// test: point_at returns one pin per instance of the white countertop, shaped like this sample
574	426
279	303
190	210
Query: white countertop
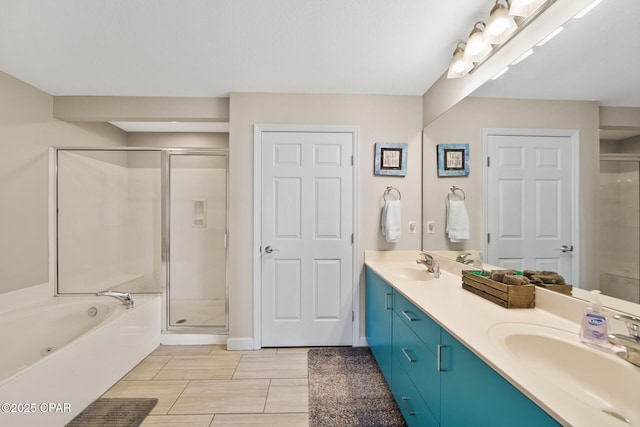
469	318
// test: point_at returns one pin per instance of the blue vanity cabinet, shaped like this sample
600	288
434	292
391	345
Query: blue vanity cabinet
473	394
378	322
434	378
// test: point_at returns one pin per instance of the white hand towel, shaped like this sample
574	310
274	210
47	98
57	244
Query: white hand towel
391	220
457	221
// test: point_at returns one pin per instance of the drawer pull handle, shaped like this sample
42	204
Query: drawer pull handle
386	301
405	351
405	402
440	368
409	315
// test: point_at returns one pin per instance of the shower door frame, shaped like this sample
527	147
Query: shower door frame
165	200
165	191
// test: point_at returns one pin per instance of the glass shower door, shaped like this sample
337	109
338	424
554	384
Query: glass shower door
197	228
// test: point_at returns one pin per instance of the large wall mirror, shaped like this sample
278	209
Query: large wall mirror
582	86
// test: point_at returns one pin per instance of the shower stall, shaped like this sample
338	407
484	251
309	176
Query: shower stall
145	220
620	226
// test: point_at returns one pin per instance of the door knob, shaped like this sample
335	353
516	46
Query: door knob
565	248
269	249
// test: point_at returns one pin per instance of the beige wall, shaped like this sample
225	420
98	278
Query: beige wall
464	124
178	140
27	129
380	118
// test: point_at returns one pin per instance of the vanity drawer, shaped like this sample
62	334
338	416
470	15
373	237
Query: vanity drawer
425	328
414	409
419	363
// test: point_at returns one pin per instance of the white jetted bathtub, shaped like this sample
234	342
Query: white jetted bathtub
58	357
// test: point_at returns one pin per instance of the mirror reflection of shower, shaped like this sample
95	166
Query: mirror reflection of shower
145	220
620	226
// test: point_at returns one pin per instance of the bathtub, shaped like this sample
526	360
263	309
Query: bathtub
59	356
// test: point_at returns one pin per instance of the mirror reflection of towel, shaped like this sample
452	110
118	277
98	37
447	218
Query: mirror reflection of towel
457	221
391	220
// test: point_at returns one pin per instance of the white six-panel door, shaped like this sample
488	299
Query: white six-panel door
306	242
529	203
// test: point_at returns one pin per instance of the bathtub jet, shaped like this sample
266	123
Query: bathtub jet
124	297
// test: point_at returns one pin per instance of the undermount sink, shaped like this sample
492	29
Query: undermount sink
406	271
598	378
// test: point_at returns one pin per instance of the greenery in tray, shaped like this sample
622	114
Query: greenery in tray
482	273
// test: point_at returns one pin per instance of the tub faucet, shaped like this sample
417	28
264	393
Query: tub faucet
430	262
629	344
124	297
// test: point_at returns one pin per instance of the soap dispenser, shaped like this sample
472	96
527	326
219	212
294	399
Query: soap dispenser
595	327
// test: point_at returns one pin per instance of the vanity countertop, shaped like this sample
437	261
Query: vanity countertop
470	318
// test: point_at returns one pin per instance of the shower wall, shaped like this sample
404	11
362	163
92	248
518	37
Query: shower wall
108	221
195	274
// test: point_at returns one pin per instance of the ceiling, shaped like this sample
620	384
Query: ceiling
209	48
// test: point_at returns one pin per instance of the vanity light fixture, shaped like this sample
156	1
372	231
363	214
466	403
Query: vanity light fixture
525	8
477	49
500	24
458	67
506	20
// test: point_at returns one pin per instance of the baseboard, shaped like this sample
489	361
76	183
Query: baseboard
363	342
240	344
192	339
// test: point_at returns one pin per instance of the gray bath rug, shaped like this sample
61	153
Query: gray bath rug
114	412
346	388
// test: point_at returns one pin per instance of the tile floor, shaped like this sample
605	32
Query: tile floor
206	385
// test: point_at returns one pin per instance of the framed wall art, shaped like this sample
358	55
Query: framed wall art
390	159
453	159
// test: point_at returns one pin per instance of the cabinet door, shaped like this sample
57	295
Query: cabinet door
473	394
379	313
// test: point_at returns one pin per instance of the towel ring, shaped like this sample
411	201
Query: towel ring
388	190
453	189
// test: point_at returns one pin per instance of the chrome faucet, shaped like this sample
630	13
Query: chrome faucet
629	344
124	297
430	262
462	258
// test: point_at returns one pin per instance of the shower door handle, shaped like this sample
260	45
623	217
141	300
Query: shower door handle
565	248
269	249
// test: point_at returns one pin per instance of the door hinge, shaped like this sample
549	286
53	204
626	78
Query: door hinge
352	238
488	238
351	160
488	161
226	237
353	316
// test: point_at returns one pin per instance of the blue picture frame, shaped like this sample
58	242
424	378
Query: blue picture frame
453	159
390	159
